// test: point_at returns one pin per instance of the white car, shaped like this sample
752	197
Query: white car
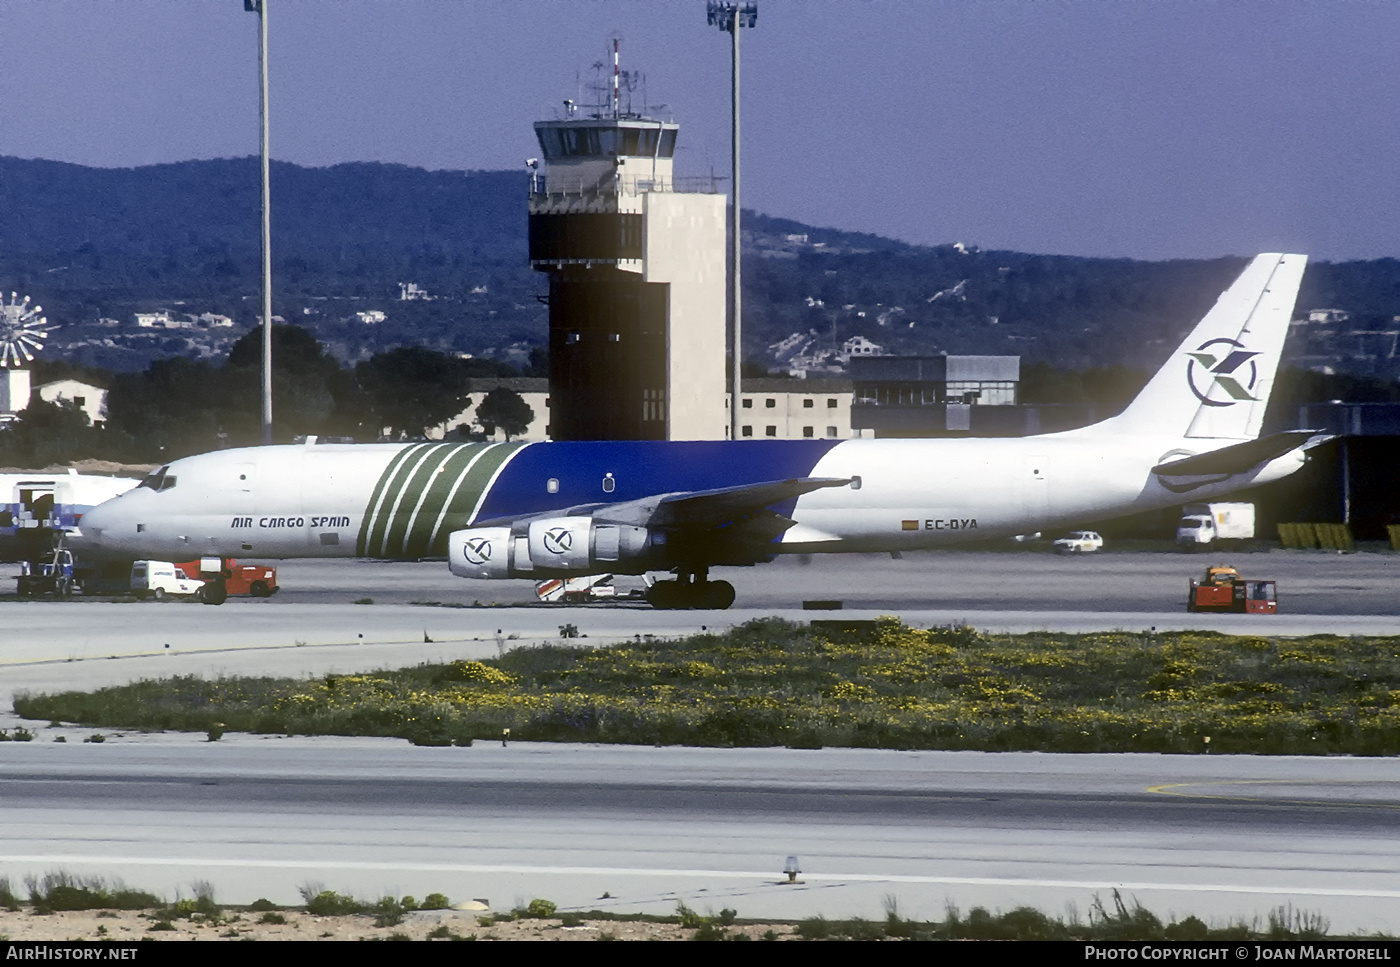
1079	542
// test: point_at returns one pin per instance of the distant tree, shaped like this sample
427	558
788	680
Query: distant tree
171	410
48	433
411	388
302	378
504	409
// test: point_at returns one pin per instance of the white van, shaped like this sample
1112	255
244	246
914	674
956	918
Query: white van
161	579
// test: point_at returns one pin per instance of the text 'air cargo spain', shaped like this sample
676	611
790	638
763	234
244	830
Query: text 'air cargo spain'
538	510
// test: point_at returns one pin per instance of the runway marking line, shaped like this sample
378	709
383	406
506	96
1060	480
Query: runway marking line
763	876
1169	789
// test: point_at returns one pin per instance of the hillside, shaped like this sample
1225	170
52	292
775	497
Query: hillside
95	246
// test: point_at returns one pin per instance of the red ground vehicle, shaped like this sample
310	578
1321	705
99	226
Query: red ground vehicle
258	580
1223	590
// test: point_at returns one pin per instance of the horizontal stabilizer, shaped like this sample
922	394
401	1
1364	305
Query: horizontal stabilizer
1238	458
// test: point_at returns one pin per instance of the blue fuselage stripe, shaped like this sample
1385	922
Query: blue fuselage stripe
640	469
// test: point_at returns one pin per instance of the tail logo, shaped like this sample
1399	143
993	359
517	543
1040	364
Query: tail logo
1223	362
477	551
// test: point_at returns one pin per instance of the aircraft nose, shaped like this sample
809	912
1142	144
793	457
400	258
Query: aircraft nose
95	529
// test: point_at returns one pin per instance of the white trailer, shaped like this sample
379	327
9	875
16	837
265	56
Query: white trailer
1202	525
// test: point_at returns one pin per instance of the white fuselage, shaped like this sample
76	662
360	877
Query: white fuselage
324	500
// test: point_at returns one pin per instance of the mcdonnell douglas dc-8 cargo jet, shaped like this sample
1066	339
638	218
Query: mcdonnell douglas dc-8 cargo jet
537	510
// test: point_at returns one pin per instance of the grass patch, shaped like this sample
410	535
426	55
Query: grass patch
770	683
64	891
1117	919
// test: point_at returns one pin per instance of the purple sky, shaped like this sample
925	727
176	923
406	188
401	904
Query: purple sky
1180	128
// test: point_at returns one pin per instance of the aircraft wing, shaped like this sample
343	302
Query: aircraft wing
731	504
722	507
1240	457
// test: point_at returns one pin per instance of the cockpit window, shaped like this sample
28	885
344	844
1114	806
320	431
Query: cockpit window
157	480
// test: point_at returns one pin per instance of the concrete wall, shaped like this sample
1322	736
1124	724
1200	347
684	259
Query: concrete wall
14	390
795	409
685	248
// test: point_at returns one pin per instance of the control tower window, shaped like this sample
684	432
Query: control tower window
606	142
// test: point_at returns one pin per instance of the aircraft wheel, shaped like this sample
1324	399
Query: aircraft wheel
158	594
717	595
664	596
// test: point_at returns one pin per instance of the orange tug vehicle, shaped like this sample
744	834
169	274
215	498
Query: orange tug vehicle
256	580
1223	589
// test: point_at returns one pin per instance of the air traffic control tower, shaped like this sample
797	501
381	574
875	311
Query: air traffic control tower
636	269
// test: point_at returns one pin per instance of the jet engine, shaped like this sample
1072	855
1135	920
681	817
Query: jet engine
552	546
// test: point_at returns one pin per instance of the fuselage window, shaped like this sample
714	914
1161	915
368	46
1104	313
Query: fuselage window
552	485
609	484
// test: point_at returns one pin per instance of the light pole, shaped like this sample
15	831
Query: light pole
729	17
260	8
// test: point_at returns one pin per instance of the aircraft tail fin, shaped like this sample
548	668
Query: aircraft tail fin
1216	385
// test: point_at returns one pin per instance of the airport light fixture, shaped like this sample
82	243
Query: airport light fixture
730	17
260	8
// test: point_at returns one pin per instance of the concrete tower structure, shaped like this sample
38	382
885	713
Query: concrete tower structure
636	269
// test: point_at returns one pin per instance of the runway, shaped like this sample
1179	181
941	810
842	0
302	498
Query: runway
1219	836
641	829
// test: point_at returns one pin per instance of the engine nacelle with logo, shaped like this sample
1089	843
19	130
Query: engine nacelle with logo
552	546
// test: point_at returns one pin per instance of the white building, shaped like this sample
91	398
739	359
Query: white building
161	320
796	409
772	409
860	346
91	399
16	392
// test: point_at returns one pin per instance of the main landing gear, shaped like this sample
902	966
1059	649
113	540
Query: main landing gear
691	590
215	590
